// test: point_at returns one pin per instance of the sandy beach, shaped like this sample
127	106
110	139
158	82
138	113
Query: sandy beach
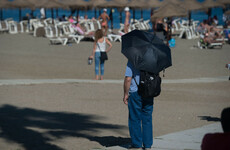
83	116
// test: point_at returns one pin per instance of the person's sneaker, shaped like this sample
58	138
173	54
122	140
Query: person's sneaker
147	148
135	149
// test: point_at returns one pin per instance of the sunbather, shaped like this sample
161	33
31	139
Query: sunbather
80	30
212	36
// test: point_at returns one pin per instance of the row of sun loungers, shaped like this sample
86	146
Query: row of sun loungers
64	32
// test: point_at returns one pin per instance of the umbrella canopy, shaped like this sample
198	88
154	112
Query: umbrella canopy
97	3
190	5
116	4
4	4
138	4
169	10
154	3
224	1
146	51
21	4
211	4
75	4
48	4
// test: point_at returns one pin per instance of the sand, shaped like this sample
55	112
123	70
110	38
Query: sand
80	116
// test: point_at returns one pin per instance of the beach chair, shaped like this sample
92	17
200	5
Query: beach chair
114	37
24	26
48	21
53	34
203	45
4	26
13	28
97	24
70	32
36	26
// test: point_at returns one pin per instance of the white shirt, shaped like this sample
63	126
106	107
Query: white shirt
101	46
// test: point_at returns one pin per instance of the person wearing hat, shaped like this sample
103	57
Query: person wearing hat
104	23
127	17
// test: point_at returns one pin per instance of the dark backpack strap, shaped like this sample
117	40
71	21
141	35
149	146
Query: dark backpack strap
134	80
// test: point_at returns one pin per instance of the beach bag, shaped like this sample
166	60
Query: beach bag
149	85
104	56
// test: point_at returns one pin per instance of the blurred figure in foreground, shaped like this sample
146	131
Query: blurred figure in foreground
219	141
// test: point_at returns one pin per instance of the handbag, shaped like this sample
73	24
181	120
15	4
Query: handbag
104	55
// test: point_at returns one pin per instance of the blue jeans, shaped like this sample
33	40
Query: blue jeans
140	120
99	63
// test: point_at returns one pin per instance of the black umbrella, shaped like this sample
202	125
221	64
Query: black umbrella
146	51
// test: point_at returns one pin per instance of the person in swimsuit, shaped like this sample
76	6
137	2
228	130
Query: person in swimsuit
104	23
127	17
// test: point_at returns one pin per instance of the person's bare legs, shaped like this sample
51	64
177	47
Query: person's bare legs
106	29
101	78
126	28
96	77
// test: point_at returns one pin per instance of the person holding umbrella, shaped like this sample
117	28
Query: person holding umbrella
145	52
140	111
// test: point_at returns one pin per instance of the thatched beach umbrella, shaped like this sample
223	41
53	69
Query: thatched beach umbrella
211	4
74	4
190	5
154	3
97	3
116	4
226	2
169	10
20	4
48	4
4	3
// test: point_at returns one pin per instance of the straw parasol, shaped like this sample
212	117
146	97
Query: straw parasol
20	4
97	3
116	4
190	5
154	3
47	4
169	10
138	4
75	4
4	4
211	4
224	1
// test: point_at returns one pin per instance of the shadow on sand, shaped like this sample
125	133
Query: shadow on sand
36	129
209	118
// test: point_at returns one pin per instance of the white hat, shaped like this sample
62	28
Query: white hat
104	9
126	9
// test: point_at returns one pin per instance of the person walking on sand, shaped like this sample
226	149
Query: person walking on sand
104	23
127	18
100	46
140	111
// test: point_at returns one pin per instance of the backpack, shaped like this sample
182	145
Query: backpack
150	84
